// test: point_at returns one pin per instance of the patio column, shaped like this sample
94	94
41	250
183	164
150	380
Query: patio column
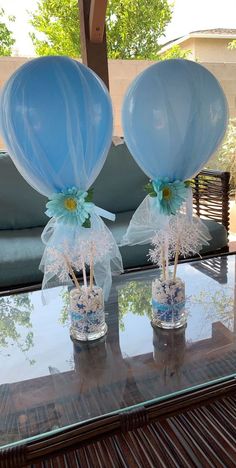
93	36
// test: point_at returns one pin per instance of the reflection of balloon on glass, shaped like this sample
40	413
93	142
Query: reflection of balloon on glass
174	117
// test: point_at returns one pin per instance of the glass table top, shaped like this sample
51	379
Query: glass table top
47	382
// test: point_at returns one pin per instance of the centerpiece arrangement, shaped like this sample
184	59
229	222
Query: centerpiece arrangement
86	298
174	117
182	238
56	120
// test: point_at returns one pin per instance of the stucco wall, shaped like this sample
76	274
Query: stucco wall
122	72
189	44
214	50
8	65
226	73
209	50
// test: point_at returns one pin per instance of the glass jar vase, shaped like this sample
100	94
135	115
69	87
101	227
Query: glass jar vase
87	314
168	303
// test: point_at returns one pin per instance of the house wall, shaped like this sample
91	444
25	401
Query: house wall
122	72
209	50
8	65
225	73
189	44
214	50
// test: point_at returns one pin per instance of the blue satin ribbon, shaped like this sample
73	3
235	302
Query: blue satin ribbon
166	307
90	316
104	213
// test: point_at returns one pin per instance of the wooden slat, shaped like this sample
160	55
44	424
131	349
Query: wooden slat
211	196
204	436
93	55
97	20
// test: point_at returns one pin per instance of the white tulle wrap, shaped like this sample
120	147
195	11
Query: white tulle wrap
73	241
147	221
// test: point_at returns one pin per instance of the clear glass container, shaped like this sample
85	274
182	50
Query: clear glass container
87	314
168	303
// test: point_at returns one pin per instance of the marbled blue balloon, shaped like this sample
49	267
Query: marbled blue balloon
174	116
56	120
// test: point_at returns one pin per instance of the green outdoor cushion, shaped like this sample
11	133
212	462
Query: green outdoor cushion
20	254
118	188
20	205
135	256
22	249
120	184
218	236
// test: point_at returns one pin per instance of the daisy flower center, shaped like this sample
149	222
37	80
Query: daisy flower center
167	193
70	204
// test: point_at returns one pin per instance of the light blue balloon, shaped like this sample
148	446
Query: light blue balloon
174	117
56	120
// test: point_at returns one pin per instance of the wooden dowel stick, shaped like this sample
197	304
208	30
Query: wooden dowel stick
176	263
84	274
91	267
70	269
163	262
166	258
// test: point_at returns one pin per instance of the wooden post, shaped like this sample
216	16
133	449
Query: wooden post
94	55
235	295
97	18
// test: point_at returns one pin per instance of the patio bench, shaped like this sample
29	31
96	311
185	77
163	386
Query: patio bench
119	189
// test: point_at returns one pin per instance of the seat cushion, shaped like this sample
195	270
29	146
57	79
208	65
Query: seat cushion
218	236
20	254
120	185
21	250
134	256
20	205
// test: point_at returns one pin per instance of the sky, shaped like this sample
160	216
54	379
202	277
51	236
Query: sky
189	15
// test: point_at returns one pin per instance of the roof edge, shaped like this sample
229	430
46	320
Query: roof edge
195	35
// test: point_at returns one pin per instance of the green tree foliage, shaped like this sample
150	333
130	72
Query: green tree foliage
15	323
57	22
64	317
232	44
218	306
6	36
175	52
133	28
135	297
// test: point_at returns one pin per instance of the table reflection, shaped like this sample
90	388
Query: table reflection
133	363
169	348
16	328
